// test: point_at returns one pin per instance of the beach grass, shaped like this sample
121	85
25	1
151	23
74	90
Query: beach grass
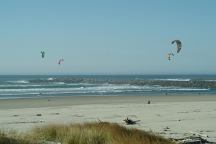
87	133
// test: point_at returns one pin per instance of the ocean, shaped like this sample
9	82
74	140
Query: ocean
37	86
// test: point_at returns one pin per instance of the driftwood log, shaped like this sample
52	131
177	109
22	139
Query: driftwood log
193	140
130	121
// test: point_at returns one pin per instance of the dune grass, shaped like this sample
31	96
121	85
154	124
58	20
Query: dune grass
88	133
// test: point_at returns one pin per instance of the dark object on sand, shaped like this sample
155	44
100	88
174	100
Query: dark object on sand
38	114
193	140
167	129
130	121
149	102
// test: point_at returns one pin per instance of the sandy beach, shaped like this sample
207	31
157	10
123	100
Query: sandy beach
170	116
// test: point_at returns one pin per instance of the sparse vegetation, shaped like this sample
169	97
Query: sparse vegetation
88	133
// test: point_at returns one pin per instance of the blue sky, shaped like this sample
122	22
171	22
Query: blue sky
107	37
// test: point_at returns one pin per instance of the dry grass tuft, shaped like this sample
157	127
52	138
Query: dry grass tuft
13	138
87	133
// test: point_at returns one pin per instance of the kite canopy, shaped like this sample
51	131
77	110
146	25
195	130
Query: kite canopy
42	54
178	45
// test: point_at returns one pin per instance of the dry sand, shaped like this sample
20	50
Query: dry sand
170	116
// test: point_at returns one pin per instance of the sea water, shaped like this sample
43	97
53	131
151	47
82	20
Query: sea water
36	86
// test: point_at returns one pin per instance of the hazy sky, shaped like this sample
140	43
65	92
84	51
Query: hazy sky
107	37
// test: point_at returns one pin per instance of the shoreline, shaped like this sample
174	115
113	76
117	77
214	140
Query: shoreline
169	116
86	100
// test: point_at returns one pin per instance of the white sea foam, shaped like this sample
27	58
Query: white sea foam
185	89
103	88
210	80
177	79
19	85
50	79
19	81
59	83
13	94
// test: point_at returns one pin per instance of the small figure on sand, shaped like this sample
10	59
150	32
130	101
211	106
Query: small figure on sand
149	102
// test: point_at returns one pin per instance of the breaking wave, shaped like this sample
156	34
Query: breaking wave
34	86
19	81
179	79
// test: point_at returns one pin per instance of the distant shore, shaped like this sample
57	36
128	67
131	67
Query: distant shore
168	115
